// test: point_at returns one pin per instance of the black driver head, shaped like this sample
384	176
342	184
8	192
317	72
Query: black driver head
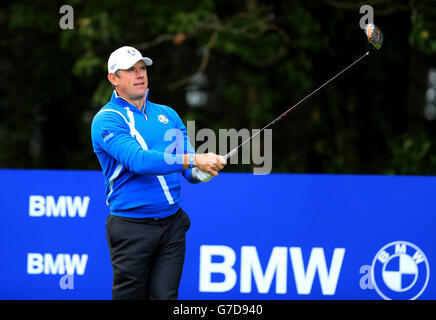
374	35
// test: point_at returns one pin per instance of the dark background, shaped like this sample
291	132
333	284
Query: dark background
249	60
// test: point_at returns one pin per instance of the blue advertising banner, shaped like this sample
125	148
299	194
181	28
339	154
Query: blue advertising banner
278	236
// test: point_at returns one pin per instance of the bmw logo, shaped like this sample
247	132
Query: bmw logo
400	271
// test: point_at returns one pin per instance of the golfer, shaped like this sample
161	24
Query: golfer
142	147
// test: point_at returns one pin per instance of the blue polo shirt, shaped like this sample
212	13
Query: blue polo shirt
141	155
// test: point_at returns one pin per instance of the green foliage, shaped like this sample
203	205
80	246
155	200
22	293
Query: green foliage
423	34
412	155
258	59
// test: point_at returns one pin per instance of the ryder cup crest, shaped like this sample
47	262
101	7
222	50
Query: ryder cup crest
131	51
163	119
400	271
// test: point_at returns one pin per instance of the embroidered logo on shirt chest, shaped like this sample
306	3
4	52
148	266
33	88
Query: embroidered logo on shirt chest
163	119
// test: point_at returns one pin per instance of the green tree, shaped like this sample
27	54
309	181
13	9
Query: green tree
251	60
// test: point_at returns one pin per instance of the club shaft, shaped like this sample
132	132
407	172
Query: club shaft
232	152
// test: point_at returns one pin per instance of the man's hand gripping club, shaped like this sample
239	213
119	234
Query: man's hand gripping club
207	166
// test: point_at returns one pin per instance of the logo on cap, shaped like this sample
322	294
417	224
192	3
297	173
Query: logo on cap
131	52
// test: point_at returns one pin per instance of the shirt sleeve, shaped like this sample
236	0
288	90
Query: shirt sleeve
187	147
111	134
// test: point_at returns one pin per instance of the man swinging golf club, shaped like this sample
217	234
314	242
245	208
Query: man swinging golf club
146	225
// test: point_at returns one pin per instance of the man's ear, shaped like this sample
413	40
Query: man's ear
113	79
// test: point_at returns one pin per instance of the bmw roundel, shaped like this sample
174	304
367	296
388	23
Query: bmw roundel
400	271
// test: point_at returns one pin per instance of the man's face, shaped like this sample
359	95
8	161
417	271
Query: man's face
131	83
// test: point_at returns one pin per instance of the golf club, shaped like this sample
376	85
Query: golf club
374	37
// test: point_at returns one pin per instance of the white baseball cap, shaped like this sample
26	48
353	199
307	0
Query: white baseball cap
125	57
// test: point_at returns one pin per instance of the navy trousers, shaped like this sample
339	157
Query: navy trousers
147	256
